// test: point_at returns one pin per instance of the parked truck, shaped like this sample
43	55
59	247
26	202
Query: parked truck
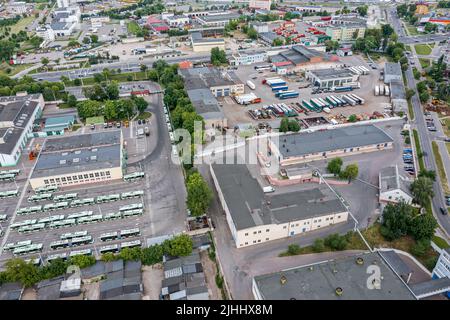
268	189
251	85
386	91
377	90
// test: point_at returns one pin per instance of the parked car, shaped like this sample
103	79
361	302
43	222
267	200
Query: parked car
92	126
443	211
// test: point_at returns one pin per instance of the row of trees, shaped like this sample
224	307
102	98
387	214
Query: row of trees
17	270
407	12
422	88
50	90
335	167
218	57
287	125
199	195
110	109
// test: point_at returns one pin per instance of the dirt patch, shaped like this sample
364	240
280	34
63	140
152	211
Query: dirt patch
209	269
151	278
92	291
29	294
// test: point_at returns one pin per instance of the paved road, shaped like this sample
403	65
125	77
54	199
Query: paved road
419	123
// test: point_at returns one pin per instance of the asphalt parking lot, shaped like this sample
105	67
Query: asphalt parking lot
238	114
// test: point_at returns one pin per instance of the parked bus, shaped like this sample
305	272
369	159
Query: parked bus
131	207
9	194
79	215
71	235
46	189
59	244
32	248
56	256
130	244
127	233
35	261
112	216
83	252
263	67
32	228
17	225
110	248
110	198
3	217
134	212
51	219
15	172
7	177
29	210
82	202
133	194
133	176
62	223
81	241
65	197
90	219
12	245
109	236
40	197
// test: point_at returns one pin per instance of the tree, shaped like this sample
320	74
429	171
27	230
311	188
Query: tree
130	254
199	194
19	270
396	220
73	43
334	166
318	245
71	101
45	61
252	34
336	242
293	249
77	82
424	96
284	125
350	172
53	269
423	226
409	93
152	254
89	108
144	68
86	40
352	118
218	57
110	110
421	247
82	261
387	30
108	257
180	245
362	10
422	190
331	45
94	38
294	126
277	42
140	103
428	173
112	90
430	27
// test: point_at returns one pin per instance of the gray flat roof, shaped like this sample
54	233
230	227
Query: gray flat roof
397	89
396	263
220	17
298	144
390	180
249	206
429	287
332	73
391	68
79	153
319	281
205	103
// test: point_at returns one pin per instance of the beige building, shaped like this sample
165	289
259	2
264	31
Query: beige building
79	159
319	145
345	32
256	217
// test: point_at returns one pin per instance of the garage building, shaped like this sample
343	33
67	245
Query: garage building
328	78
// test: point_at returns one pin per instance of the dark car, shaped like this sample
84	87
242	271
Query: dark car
443	211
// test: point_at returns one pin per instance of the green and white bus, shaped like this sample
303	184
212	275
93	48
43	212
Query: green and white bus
127	233
40	197
56	206
109	198
32	248
3	217
7	177
15	172
65	197
79	215
71	235
82	202
130	244
29	210
110	248
35	261
32	228
81	241
91	219
12	245
62	223
134	212
109	236
55	256
59	244
112	216
51	219
132	206
133	176
17	225
9	194
46	189
132	194
83	252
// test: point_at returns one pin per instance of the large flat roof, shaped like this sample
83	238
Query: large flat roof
79	153
331	73
390	180
205	103
299	144
319	281
391	68
249	206
219	17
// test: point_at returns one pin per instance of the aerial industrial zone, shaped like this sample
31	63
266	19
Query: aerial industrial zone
224	150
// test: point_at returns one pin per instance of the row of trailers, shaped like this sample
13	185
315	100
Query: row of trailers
87	201
280	89
360	70
330	102
73	219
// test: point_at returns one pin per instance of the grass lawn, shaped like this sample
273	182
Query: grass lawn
412	30
418	150
446	126
144	116
95	120
423	49
425	63
21	24
441	243
120	77
75	127
410	110
448	147
14	68
133	27
407	47
440	166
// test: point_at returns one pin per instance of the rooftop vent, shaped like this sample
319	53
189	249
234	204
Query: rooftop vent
77	151
283	279
62	161
360	261
339	291
64	153
76	160
94	158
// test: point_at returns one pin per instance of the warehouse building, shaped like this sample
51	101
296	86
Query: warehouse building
218	20
248	58
347	32
339	142
256	217
328	78
339	279
201	44
79	159
393	187
301	58
17	116
398	96
392	71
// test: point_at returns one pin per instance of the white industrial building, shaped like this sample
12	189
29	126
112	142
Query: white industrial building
328	78
393	187
176	21
79	159
248	58
17	116
260	4
256	217
392	71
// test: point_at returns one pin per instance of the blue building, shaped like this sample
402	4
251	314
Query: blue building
442	268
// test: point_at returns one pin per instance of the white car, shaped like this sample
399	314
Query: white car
171	136
174	150
167	119
169	127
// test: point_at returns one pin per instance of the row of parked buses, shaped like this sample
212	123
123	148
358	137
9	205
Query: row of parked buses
87	201
133	176
9	194
9	175
84	217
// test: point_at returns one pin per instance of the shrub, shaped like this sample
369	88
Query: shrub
319	245
293	249
421	247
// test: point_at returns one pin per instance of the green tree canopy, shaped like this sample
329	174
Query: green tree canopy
334	166
199	194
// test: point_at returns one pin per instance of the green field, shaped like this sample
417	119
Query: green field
133	27
423	49
418	150
440	166
14	68
95	120
120	77
412	30
425	63
24	22
441	243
